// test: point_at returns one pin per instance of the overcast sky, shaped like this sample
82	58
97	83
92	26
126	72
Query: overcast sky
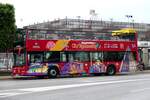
36	11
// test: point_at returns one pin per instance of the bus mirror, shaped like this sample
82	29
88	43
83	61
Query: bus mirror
19	51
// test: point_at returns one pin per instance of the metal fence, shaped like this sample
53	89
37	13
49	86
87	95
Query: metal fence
6	61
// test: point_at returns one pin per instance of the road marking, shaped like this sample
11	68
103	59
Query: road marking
8	94
14	92
40	89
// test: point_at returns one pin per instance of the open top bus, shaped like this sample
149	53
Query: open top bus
59	52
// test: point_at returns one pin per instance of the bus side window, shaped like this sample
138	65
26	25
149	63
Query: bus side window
48	56
71	58
53	56
97	56
36	58
63	57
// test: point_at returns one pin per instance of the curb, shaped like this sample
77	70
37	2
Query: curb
5	77
140	72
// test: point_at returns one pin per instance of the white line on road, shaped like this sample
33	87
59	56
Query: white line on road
7	93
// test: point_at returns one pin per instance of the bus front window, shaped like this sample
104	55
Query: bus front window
36	57
19	59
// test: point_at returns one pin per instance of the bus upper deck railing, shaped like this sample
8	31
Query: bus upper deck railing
77	36
44	34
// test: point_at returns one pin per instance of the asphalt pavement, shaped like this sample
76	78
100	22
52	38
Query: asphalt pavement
118	87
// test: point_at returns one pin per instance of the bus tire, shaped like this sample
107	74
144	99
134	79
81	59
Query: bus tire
53	72
111	70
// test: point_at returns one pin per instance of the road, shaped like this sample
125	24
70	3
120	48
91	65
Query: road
119	87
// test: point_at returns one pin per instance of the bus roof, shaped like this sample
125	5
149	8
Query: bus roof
124	31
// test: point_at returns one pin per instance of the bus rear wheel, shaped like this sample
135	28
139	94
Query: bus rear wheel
53	72
111	70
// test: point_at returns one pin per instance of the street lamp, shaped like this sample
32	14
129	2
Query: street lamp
93	16
66	22
129	16
133	23
111	21
79	20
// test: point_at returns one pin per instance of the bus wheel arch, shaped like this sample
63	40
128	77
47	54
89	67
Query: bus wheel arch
111	69
53	71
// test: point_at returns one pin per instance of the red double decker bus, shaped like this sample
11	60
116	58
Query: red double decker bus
59	52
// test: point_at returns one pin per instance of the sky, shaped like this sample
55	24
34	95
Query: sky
28	12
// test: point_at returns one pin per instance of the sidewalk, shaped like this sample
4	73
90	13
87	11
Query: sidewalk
130	73
18	77
140	72
5	77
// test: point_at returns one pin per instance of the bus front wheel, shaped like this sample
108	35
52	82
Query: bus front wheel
53	72
111	70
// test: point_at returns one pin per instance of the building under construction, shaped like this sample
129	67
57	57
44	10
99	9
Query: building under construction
93	25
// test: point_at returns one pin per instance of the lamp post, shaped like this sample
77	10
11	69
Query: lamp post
111	22
66	22
79	21
133	23
128	17
93	16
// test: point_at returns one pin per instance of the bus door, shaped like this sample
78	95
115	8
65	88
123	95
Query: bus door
96	60
35	62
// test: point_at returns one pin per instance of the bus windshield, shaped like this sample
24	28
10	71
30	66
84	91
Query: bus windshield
19	59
